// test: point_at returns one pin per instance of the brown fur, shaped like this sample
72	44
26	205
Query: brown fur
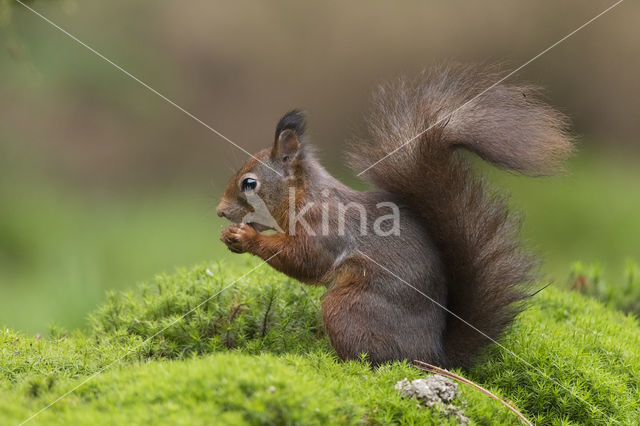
458	242
487	271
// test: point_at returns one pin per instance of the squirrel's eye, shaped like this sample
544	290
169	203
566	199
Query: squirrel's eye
249	184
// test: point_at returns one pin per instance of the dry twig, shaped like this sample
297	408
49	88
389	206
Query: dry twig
437	370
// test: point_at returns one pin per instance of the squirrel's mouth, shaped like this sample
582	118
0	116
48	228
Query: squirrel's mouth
260	227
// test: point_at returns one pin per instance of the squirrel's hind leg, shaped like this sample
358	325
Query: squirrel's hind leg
361	316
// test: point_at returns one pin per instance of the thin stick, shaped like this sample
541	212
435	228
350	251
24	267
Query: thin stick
437	370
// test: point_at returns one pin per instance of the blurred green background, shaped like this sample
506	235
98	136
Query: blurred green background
103	184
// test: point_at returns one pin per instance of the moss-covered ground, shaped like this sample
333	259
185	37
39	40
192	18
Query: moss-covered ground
253	350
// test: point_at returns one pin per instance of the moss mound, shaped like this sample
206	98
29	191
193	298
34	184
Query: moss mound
252	350
252	310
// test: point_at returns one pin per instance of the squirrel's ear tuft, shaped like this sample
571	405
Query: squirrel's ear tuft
289	133
295	120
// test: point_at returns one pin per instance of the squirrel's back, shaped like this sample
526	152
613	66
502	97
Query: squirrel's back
421	123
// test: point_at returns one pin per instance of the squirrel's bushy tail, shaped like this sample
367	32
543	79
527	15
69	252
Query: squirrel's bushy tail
509	126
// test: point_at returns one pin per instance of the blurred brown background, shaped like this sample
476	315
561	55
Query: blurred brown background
238	66
86	150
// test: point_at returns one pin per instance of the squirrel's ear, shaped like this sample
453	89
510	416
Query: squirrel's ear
286	146
289	133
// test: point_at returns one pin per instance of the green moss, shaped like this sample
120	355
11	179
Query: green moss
254	311
232	388
252	351
577	360
589	280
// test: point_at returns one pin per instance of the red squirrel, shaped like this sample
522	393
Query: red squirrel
455	244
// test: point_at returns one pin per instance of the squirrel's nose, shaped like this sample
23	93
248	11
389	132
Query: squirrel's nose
220	209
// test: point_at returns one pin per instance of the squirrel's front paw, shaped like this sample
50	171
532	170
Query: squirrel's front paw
238	238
